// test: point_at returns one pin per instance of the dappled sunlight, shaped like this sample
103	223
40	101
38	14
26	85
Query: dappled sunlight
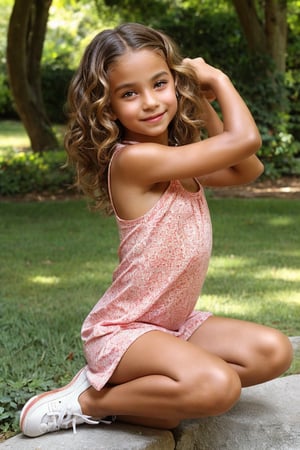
98	277
13	136
293	299
280	221
45	280
227	262
286	297
224	305
259	308
285	274
76	279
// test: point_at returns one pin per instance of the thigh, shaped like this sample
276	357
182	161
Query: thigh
159	353
257	352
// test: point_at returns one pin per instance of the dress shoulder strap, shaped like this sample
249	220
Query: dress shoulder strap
118	148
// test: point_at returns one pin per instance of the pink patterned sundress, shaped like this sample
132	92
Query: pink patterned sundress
163	261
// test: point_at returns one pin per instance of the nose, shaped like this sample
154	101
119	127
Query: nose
149	100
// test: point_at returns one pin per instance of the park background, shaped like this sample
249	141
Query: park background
57	257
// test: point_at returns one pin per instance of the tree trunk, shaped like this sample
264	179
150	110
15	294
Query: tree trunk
268	35
26	34
276	31
251	25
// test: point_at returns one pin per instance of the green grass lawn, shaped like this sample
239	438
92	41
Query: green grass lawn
57	259
255	269
13	135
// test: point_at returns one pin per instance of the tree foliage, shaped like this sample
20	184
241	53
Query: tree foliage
213	29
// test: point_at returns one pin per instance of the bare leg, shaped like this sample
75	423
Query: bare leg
161	380
256	352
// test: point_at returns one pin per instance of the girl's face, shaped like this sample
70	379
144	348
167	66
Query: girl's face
143	96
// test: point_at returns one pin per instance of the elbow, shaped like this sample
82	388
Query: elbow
255	170
253	142
256	143
259	170
246	144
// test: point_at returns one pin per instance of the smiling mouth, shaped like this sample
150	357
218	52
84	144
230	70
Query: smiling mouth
155	118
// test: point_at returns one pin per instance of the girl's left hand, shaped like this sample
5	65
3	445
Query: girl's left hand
209	94
201	68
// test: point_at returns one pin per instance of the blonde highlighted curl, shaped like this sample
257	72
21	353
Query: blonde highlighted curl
92	134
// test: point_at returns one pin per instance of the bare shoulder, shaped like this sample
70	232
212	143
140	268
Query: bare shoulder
132	192
137	152
136	160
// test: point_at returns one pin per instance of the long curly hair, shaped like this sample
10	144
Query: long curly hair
91	134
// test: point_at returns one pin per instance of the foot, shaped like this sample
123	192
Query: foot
57	409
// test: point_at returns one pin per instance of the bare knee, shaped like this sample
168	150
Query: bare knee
212	394
223	391
278	352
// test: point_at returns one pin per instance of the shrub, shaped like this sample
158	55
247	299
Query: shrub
267	99
25	172
14	395
6	101
55	82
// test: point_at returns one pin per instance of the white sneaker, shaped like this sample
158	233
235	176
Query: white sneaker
57	409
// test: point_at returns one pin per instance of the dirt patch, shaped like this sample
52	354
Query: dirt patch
288	187
42	197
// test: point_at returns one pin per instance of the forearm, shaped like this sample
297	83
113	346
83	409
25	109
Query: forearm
248	170
241	173
212	122
239	137
238	122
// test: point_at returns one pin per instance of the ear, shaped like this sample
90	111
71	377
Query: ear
108	113
111	115
176	90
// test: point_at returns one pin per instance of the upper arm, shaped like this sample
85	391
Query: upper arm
153	163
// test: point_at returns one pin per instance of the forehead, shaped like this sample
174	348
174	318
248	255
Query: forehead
137	64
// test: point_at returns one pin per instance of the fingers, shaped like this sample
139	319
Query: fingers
209	94
205	73
192	60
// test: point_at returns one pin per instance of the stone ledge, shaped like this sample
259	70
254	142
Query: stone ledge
100	437
267	417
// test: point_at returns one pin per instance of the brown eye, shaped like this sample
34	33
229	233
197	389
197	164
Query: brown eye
160	84
128	94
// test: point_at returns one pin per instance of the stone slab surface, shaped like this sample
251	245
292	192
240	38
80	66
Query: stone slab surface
100	437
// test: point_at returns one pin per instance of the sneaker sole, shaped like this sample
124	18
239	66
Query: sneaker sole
38	397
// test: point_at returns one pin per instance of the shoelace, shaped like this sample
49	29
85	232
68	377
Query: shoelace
66	419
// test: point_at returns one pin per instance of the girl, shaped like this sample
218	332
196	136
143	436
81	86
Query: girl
136	109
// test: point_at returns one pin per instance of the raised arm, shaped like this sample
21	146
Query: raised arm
235	141
243	172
